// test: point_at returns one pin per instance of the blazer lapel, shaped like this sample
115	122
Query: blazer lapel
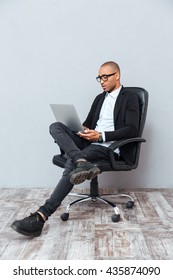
118	103
97	112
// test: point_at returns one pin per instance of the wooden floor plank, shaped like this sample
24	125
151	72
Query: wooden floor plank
144	232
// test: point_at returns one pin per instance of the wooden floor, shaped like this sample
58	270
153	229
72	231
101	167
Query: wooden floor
144	232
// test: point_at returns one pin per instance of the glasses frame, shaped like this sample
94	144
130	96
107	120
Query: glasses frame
104	77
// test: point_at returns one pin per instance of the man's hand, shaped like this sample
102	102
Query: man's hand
89	134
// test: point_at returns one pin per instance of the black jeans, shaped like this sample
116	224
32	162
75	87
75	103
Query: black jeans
76	148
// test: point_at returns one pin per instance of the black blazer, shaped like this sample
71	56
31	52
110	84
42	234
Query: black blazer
126	120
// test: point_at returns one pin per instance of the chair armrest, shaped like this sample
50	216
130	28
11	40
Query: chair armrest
119	143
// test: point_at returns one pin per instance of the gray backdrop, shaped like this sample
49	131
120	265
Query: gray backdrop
50	52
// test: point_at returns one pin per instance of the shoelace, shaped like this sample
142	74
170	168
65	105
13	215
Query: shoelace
31	215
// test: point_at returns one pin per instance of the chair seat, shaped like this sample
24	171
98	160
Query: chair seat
60	161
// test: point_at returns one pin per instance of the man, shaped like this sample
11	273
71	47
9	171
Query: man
114	115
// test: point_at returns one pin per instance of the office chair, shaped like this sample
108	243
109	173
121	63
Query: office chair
113	165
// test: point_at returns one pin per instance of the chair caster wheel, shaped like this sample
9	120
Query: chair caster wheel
115	218
130	204
64	217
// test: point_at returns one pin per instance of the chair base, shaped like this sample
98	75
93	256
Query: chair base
94	196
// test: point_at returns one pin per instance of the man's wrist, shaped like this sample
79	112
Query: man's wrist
100	139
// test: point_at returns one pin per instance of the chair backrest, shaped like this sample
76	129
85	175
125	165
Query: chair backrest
143	105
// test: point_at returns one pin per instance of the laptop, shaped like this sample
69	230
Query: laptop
67	114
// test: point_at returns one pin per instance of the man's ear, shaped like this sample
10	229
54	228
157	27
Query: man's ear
117	76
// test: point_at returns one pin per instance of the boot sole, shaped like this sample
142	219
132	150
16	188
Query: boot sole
14	227
80	177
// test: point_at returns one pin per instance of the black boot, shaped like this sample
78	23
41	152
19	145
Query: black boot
29	226
84	171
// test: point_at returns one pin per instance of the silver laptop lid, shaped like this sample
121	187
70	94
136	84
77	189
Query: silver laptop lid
67	114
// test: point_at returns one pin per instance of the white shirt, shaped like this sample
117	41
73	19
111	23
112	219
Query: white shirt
106	117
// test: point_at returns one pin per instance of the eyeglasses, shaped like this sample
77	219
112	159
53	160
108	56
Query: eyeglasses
104	77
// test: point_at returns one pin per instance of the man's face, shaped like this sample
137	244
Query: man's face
109	83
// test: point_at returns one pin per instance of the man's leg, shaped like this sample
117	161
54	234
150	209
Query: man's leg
68	141
33	225
73	145
60	192
92	153
96	153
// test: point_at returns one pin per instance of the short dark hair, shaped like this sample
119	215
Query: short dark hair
112	64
